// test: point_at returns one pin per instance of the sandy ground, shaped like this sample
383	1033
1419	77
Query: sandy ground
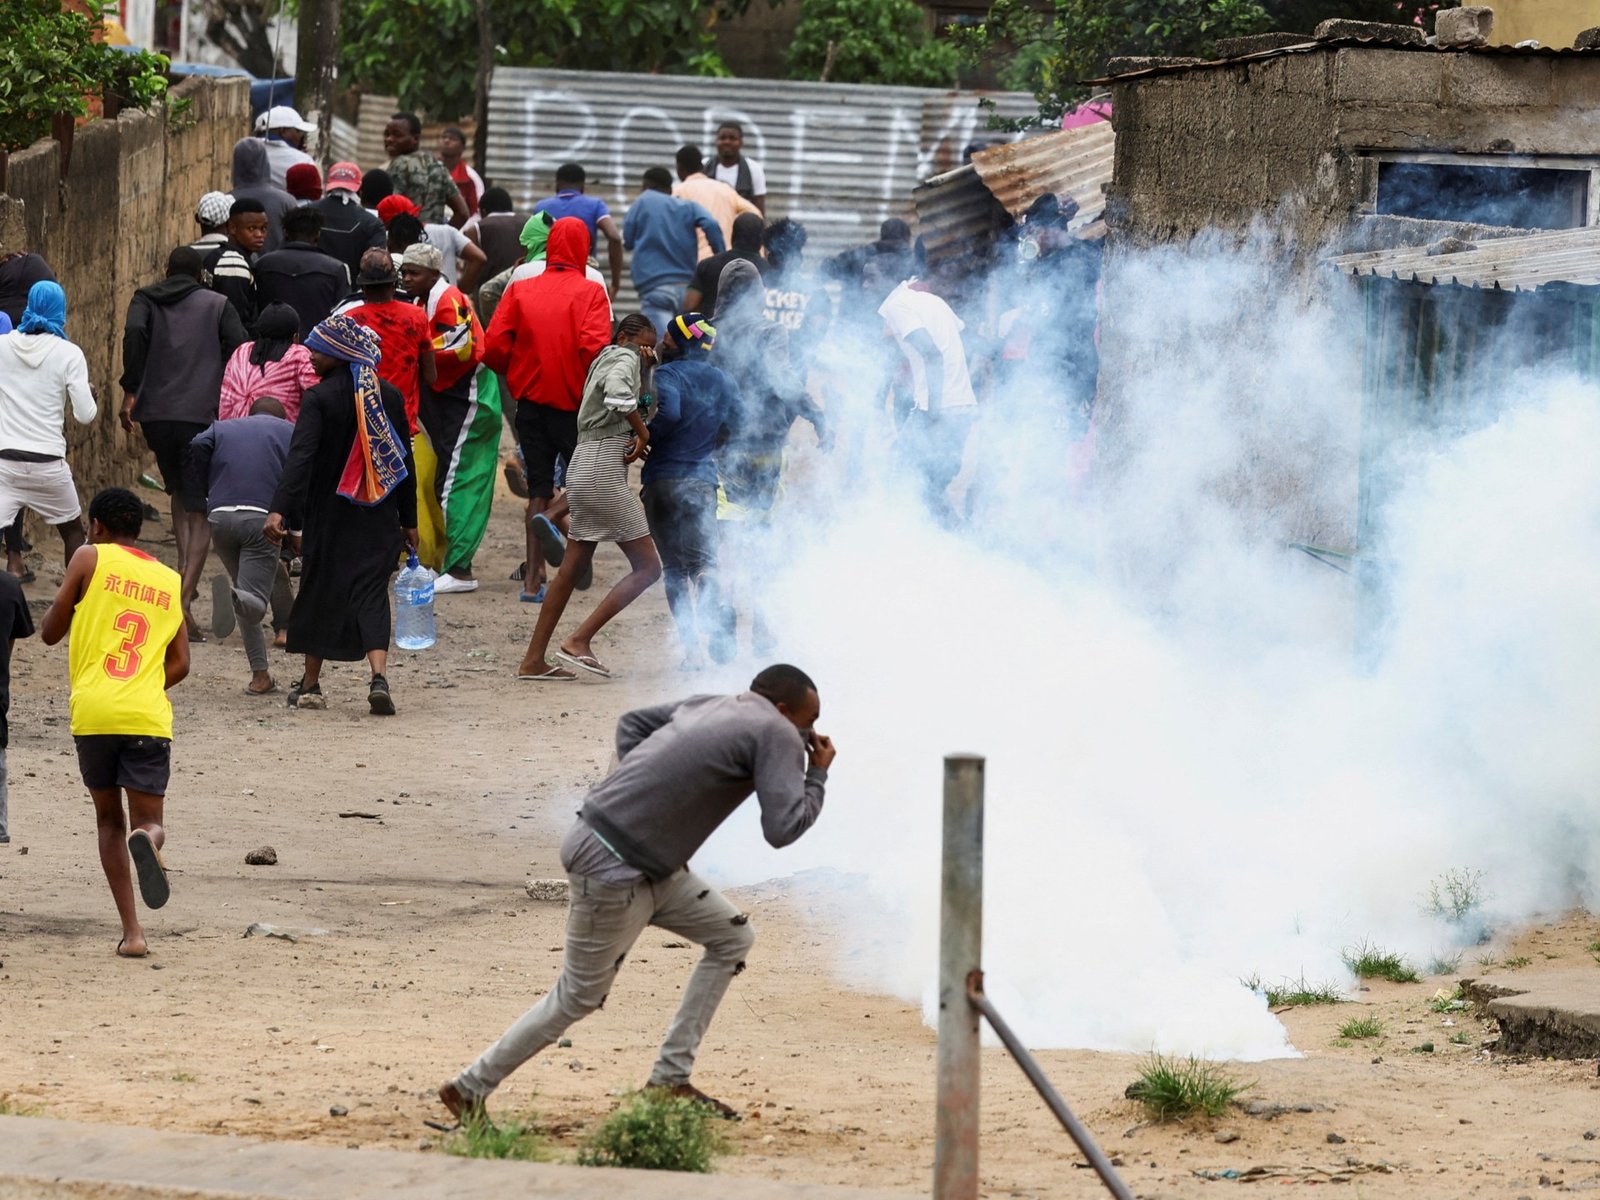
431	946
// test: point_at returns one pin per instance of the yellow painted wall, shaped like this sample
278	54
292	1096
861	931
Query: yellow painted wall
1550	22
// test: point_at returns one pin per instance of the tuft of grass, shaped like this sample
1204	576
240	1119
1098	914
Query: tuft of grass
1361	1027
1367	961
1294	993
182	1077
1488	960
516	1140
1460	1039
1172	1089
1519	961
10	1107
1447	1001
655	1131
1444	964
1594	950
1454	895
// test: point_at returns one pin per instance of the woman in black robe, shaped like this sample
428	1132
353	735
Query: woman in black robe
356	508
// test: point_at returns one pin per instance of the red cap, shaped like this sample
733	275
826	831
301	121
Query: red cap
344	175
391	207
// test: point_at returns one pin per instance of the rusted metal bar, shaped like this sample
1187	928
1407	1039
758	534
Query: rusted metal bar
955	1160
1085	1140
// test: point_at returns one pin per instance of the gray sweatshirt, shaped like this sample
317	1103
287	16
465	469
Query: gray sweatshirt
684	767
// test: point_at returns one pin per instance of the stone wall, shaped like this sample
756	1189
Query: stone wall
106	228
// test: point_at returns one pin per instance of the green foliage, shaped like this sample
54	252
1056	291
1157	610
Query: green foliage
1518	962
17	1108
1447	1002
1294	993
1455	895
51	65
1361	1027
426	51
1172	1089
1444	964
1373	962
874	41
515	1140
655	1131
1050	49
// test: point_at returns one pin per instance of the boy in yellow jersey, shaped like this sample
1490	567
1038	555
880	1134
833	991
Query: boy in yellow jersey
124	611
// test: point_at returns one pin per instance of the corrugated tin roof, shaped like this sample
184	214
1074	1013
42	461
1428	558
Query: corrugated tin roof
1312	44
1513	264
1071	162
961	211
839	157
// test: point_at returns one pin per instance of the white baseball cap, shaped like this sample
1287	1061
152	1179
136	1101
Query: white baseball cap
284	117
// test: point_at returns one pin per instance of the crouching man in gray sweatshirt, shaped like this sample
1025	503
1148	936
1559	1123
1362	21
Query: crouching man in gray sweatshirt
683	768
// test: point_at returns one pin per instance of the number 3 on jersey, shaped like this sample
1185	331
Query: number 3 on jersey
135	628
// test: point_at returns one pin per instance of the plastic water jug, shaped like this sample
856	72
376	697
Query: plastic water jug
413	606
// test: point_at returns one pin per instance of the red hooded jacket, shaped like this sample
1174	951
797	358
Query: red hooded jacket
548	329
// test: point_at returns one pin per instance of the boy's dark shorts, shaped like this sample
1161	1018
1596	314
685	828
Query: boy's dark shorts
121	760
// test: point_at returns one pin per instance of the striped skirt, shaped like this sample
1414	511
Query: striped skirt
604	507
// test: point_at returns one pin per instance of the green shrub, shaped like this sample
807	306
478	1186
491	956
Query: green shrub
1361	1027
1174	1088
1372	962
655	1131
516	1140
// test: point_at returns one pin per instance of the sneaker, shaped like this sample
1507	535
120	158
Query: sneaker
449	583
551	544
301	696
687	1091
378	698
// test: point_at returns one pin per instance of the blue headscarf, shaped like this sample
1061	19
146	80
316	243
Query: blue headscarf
46	311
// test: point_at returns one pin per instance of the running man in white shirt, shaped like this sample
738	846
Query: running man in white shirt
41	373
933	439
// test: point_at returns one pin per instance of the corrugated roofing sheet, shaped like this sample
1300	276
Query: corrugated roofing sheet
1513	264
838	157
1072	162
961	211
1312	44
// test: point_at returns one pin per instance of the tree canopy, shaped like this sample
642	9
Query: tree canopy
426	51
51	65
870	41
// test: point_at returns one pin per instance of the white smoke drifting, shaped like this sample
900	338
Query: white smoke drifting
1191	777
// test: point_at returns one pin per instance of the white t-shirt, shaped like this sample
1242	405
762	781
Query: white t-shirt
730	176
908	310
452	244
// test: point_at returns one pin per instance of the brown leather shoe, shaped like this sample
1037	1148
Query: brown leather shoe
464	1108
687	1091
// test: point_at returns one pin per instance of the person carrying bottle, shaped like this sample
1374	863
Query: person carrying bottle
349	485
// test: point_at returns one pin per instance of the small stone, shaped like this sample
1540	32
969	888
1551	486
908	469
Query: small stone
564	1044
1335	1140
1589	39
1227	1136
22	849
548	889
265	856
1339	29
1469	25
338	1110
1589	1135
575	1065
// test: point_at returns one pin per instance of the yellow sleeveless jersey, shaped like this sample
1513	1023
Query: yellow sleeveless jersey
129	613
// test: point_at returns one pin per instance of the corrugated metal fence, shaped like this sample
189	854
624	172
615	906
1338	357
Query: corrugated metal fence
839	157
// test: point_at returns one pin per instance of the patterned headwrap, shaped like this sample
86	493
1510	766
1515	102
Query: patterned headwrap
377	460
46	311
535	234
693	327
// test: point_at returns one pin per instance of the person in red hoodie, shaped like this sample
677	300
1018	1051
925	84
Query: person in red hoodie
545	332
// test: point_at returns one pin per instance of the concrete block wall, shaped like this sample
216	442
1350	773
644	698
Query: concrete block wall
106	229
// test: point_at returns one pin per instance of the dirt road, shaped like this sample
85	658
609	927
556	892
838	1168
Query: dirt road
403	846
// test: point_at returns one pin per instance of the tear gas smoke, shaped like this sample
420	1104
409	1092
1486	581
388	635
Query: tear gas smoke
1191	777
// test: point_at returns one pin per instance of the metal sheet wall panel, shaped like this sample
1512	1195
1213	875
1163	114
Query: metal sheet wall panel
1513	264
1070	162
839	157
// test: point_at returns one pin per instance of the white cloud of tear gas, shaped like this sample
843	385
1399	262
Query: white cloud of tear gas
1191	777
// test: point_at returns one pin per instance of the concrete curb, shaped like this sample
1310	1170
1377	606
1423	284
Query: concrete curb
40	1157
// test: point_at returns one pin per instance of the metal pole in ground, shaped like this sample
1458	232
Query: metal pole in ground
955	1162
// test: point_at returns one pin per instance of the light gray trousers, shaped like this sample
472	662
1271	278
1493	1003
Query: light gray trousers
5	830
602	925
254	564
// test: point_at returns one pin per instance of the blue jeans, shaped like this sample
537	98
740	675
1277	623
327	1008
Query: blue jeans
661	304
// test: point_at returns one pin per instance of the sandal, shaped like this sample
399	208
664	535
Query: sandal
271	688
585	662
549	675
145	953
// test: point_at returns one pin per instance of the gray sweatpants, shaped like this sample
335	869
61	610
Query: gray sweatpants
253	563
602	925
